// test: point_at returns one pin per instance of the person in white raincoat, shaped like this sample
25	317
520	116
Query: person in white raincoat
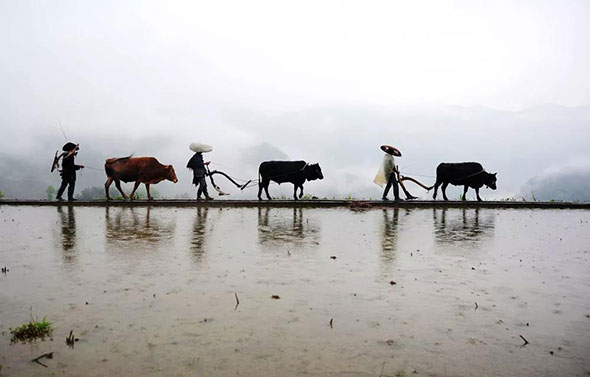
388	173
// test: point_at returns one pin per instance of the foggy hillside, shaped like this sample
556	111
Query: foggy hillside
343	138
569	184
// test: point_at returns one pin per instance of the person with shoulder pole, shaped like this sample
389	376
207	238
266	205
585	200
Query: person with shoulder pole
68	170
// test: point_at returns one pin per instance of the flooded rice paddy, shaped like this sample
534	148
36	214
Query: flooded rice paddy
408	292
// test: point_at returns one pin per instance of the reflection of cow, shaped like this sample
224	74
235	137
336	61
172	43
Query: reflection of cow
295	172
146	170
464	228
466	174
289	228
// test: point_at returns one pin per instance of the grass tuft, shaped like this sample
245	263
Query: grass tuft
33	330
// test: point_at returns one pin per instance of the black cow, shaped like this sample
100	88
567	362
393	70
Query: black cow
295	172
466	174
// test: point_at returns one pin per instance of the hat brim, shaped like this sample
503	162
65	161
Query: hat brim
69	146
391	150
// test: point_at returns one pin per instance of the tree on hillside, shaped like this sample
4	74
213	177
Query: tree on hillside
93	193
51	191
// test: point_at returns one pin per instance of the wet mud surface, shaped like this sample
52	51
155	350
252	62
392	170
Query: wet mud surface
322	292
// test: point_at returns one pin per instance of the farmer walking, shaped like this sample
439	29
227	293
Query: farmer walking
389	174
68	171
197	165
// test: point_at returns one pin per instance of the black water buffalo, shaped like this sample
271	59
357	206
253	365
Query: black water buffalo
466	174
295	172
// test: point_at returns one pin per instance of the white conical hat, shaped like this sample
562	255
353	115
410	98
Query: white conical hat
200	148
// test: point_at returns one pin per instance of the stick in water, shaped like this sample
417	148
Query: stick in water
48	355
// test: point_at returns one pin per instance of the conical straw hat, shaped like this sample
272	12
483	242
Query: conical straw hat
391	150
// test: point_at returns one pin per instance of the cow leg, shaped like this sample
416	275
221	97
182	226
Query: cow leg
295	191
443	189
266	184
147	188
107	184
301	193
137	183
118	185
259	191
465	188
477	195
436	188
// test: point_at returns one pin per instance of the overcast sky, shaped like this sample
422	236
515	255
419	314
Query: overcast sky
325	81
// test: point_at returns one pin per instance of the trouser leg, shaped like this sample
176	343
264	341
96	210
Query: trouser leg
391	181
202	188
71	187
62	188
395	187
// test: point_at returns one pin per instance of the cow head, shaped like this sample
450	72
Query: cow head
490	180
171	174
313	172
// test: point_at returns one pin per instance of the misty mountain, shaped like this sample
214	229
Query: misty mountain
343	138
572	185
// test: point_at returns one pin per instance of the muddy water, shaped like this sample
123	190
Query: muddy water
152	291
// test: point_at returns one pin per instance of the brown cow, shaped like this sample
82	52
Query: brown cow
146	170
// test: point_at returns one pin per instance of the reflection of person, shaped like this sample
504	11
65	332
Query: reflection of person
68	172
197	165
389	173
199	234
68	230
389	234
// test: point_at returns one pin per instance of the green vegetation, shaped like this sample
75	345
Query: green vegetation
32	330
51	191
1	194
141	193
93	193
98	193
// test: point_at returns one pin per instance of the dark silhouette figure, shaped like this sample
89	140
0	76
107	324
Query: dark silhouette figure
466	174
295	172
197	165
68	172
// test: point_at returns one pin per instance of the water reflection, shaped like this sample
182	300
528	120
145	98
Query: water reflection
68	233
466	225
276	225
199	239
128	224
389	235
